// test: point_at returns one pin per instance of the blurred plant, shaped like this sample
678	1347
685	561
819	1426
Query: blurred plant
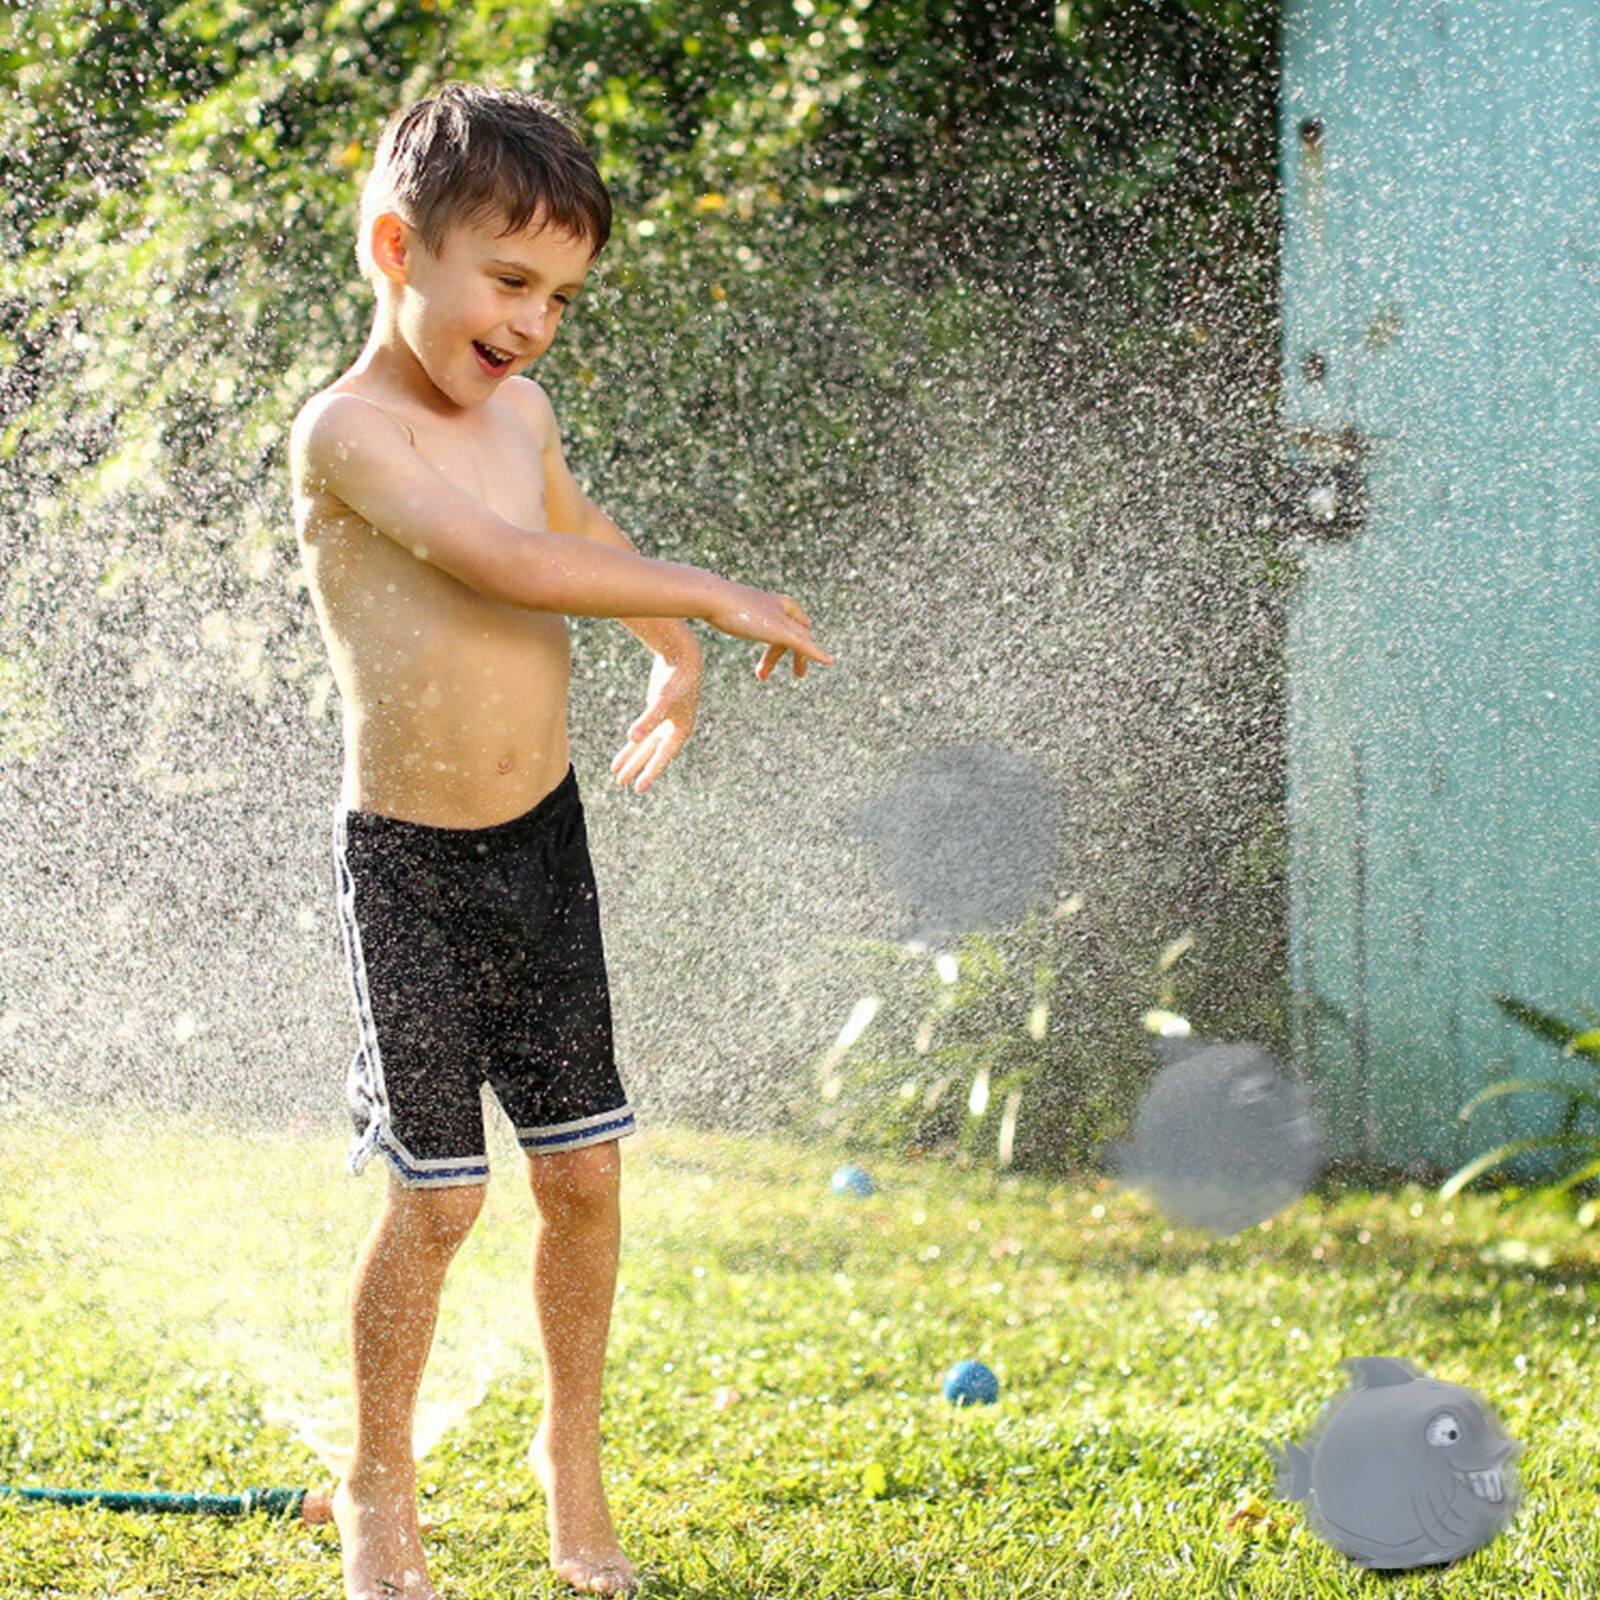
1581	1148
1015	1048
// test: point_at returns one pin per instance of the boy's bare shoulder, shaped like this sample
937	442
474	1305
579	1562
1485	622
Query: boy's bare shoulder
533	404
336	423
341	406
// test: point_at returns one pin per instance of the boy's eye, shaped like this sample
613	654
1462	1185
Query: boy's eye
562	300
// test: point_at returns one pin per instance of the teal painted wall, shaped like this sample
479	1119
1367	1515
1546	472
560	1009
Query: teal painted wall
1441	298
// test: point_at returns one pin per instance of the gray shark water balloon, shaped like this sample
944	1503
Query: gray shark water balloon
1402	1470
1223	1139
966	836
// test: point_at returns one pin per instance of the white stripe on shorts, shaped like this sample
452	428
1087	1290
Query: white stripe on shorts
366	1066
583	1130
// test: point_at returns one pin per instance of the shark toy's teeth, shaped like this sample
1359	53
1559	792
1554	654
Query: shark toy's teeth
1488	1485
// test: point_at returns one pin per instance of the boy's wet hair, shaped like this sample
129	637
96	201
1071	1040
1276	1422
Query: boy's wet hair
471	154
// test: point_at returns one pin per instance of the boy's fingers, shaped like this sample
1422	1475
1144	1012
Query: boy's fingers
659	763
802	654
645	725
628	762
654	770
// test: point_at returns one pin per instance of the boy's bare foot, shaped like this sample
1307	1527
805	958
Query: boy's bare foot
317	1509
583	1545
380	1545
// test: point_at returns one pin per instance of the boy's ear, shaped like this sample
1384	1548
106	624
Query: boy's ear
390	243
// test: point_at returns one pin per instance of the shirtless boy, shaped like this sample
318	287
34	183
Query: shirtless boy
445	541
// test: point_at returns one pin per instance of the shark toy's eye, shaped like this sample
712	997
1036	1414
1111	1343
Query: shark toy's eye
1443	1429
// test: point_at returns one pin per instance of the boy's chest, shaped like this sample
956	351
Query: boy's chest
496	460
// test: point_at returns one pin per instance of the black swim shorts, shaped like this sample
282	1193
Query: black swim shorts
474	957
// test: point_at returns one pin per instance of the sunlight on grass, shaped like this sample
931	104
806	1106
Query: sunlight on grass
243	1247
774	1419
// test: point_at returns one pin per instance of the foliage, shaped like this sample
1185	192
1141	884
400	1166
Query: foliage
187	172
1581	1148
183	174
961	1084
1022	1048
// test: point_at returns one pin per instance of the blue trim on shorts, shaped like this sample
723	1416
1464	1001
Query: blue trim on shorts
434	1173
593	1134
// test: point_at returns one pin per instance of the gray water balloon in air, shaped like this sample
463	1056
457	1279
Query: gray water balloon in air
1223	1138
1402	1470
966	836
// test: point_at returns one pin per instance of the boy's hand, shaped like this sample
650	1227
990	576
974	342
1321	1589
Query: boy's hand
667	722
774	619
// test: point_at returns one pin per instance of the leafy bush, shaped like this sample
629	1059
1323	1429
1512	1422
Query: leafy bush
1026	1047
807	190
1580	1148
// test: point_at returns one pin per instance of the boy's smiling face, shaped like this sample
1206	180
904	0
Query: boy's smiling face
487	305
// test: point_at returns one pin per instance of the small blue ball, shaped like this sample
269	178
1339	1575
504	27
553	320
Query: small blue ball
970	1383
852	1180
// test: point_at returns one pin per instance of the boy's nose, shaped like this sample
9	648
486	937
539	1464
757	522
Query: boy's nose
533	326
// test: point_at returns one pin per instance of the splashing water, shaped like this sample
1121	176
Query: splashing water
245	1245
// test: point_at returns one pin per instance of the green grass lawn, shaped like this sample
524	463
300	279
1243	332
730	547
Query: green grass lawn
174	1320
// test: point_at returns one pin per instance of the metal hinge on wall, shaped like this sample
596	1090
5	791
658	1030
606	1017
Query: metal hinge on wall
1324	483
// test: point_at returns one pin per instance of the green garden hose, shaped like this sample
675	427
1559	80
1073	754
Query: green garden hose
308	1505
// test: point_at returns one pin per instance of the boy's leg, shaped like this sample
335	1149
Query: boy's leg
393	1307
576	1242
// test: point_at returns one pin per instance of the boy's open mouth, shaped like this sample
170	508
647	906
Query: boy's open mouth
492	360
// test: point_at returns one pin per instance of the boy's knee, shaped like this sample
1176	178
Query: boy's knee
583	1180
443	1216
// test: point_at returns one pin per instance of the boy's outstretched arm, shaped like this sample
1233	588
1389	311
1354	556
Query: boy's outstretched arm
353	449
664	728
572	511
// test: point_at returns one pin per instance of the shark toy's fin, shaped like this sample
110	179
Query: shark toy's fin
1381	1372
1171	1048
1294	1471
